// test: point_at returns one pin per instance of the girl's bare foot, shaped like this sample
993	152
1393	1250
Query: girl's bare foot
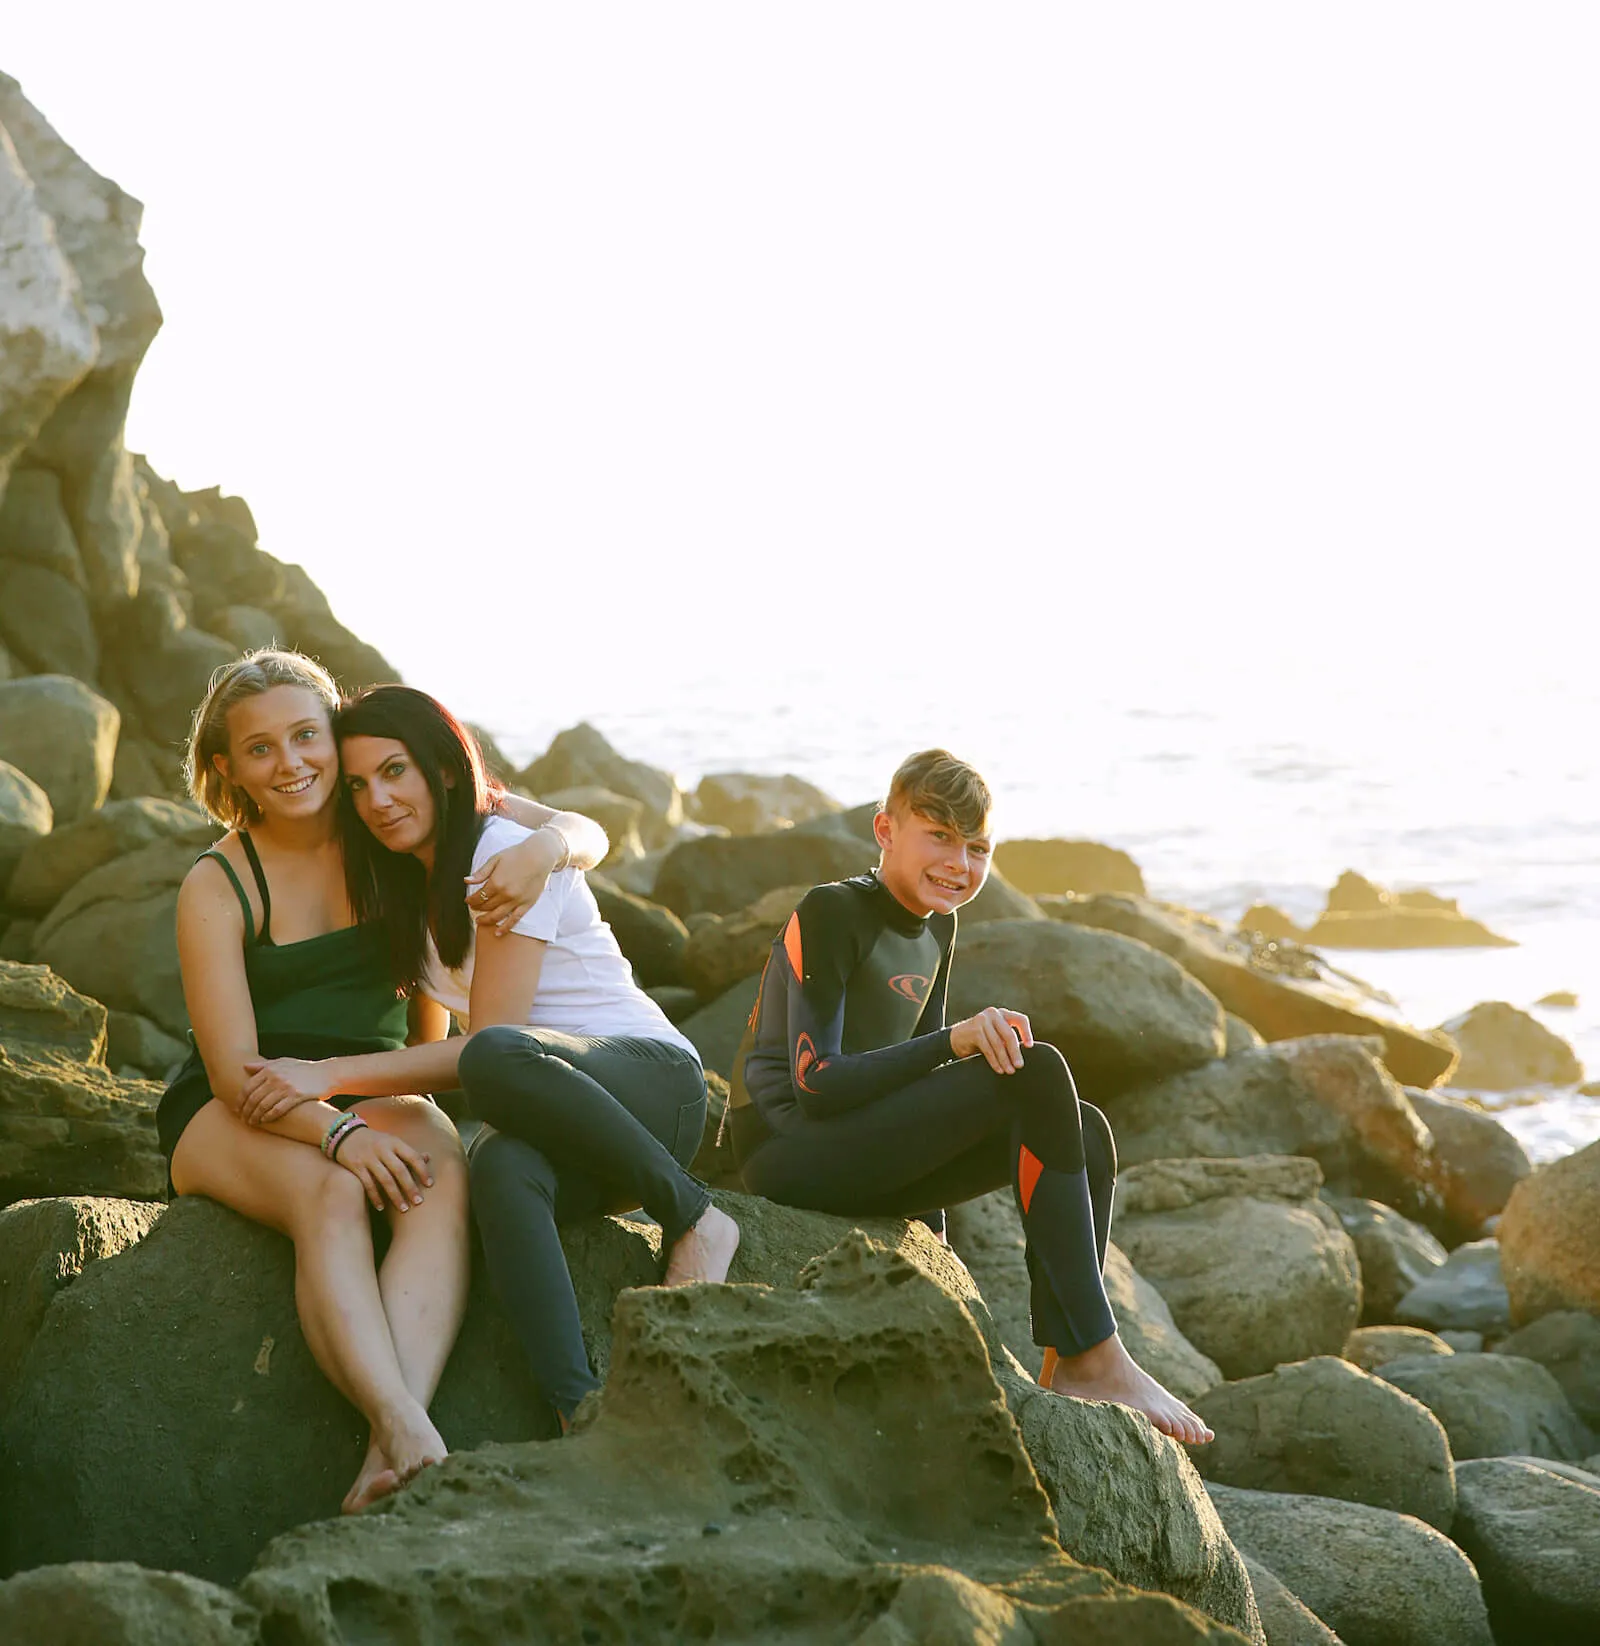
403	1445
1109	1372
376	1480
704	1252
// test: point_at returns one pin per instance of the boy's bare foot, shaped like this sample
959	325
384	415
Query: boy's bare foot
1109	1372
704	1252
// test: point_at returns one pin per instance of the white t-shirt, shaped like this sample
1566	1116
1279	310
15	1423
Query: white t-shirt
586	985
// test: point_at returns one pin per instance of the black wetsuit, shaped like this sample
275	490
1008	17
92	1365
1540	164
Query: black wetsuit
846	1099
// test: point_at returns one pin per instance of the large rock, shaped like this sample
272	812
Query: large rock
1476	1161
63	736
53	865
114	935
1550	1238
1324	1428
307	623
1256	1270
1493	1405
1326	1097
620	815
1534	1536
998	899
986	1234
34	528
47	340
1058	866
755	803
1370	1347
724	949
1119	1012
67	1125
1285	1619
580	756
1400	927
1377	1578
44	619
25	817
119	1604
1463	1294
1394	1254
652	937
1567	1345
44	1246
165	688
716	1029
722	875
1284	992
1504	1049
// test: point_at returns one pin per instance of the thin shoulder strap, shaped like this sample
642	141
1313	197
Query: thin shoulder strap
244	902
261	885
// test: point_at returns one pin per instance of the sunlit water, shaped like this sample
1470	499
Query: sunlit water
1242	786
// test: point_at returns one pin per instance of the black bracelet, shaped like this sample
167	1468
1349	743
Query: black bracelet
349	1132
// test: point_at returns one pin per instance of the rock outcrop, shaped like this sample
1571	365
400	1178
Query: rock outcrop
1476	1162
1054	867
1493	1405
1394	1253
1465	1293
1548	1250
1567	1344
1504	1049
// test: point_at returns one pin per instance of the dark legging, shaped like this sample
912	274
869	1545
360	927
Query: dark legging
959	1132
576	1125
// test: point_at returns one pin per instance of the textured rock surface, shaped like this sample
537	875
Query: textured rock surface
724	875
1119	1012
1326	1097
1534	1536
1549	1252
723	951
1376	1578
1324	1428
581	757
1477	1162
1255	1269
1285	996
1504	1048
84	1603
50	868
64	737
1285	1619
1463	1294
1394	1253
1567	1345
1059	866
1493	1405
753	802
67	1125
717	1028
652	937
25	816
1370	1347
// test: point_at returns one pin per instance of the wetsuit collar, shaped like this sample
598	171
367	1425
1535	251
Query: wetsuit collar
896	914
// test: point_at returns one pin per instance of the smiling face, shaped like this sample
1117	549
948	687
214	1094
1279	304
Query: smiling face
281	753
391	794
927	864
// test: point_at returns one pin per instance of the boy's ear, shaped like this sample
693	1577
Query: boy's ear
883	830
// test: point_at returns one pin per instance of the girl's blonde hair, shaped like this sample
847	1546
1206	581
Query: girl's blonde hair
248	676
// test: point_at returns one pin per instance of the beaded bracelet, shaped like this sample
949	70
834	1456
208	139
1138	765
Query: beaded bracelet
349	1132
348	1122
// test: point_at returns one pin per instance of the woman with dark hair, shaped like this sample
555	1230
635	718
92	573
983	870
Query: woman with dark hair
593	1101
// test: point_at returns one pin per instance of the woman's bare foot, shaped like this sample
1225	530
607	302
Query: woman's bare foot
1109	1372
403	1445
704	1252
376	1480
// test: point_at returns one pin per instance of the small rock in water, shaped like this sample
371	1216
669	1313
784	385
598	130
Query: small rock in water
1504	1049
1564	998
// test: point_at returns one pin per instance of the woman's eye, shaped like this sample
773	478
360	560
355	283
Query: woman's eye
305	732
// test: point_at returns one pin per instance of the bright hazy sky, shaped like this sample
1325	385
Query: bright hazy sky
630	336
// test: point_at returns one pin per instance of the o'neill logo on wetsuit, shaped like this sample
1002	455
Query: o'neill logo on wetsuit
805	1058
911	986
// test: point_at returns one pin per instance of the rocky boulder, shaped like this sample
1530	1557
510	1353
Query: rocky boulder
114	934
618	814
67	1125
716	1029
1548	1249
722	875
580	757
1285	1619
56	863
653	938
1060	866
1256	1270
1463	1294
1534	1536
1567	1345
755	803
1119	1012
1370	1347
1324	1428
1376	1577
63	736
1284	992
1326	1097
84	1603
1394	1253
723	950
25	817
1493	1405
1504	1049
1476	1162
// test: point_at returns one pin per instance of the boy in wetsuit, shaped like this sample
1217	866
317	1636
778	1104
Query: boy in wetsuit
850	1095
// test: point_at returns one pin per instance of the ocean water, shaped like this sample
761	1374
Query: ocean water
1242	783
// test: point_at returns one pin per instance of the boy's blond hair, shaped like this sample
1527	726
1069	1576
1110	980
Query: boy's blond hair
248	676
935	784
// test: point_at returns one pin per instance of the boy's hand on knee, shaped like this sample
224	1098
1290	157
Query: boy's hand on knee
996	1034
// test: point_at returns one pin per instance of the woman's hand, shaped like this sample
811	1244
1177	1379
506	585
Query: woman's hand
502	891
389	1168
997	1034
274	1086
